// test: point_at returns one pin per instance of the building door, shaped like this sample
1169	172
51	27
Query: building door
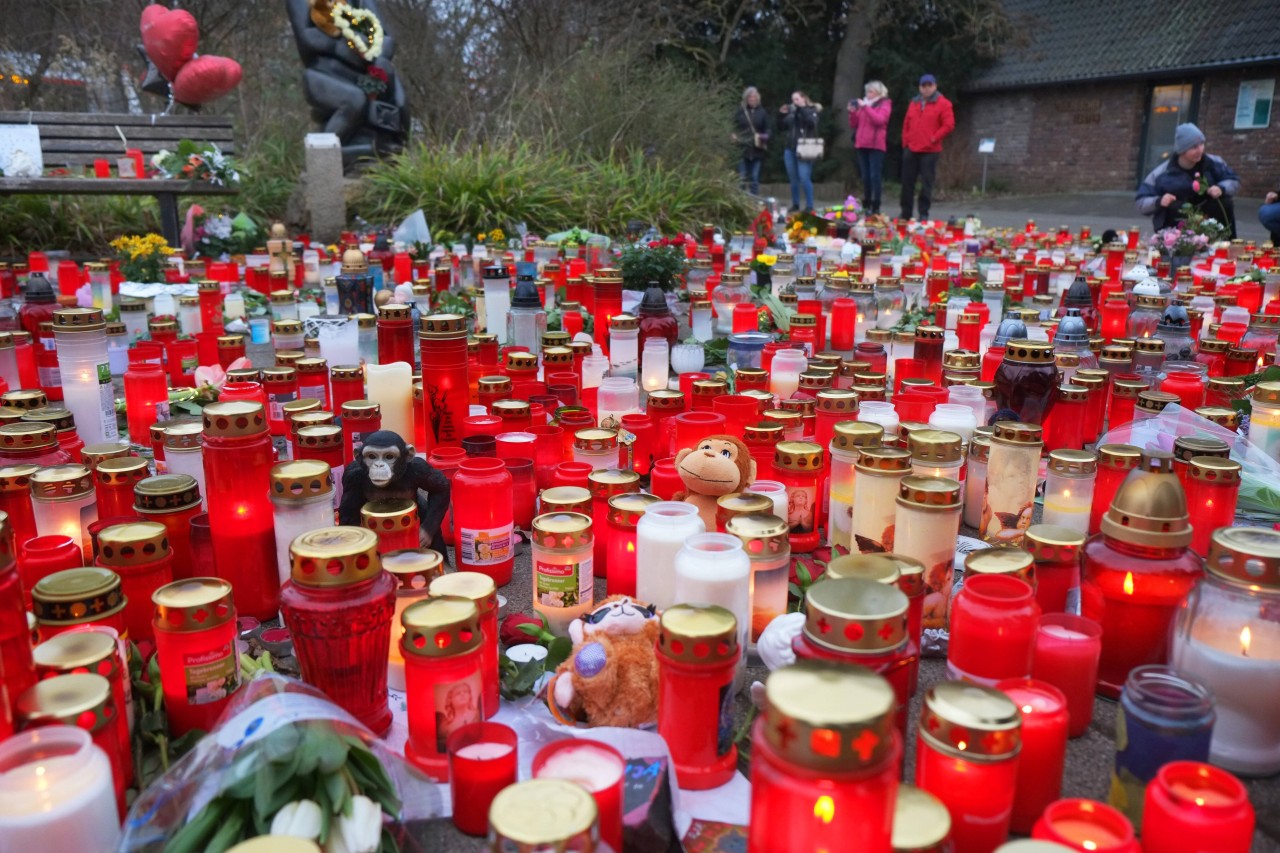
1168	106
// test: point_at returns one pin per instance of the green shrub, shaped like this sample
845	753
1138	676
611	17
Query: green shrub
84	224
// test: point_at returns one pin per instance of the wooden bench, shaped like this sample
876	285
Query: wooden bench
72	141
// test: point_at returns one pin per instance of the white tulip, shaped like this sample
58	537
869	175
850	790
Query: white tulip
299	819
359	833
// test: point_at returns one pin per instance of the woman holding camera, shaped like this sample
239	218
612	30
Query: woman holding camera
797	120
869	121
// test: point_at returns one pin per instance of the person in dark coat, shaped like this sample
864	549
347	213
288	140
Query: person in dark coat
751	131
796	120
1204	181
1269	216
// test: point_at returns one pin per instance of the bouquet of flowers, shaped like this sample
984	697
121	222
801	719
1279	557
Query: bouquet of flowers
218	235
142	258
197	162
1195	233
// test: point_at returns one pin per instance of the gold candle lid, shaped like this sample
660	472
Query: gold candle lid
286	327
311	365
301	479
1073	462
666	400
193	604
185	435
801	456
626	510
911	571
17	478
698	634
1151	345
1155	401
1248	556
812	380
804	406
829	718
414	568
346	371
929	493
920	821
595	439
388	516
1001	560
867	567
279	374
72	595
971	722
854	435
93	651
1053	543
741	503
1011	432
166	493
1119	457
61	482
930	333
230	341
980	447
557	355
311	417
710	387
83	320
394	311
57	417
762	433
543	816
870	393
520	360
244	374
1128	389
334	556
511	409
1214	469
961	359
443	327
554	338
234	419
1220	415
473	586
121	471
79	699
361	410
26	435
319	436
1022	351
607	482
441	626
566	531
565	499
764	535
935	446
623	322
1150	508
134	544
856	615
493	385
883	461
1187	446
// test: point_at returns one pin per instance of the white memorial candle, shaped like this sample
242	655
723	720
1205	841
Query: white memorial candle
713	568
391	386
660	534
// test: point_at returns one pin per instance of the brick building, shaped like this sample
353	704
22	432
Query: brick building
1090	98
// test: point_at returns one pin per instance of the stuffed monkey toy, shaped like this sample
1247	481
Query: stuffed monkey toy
719	465
611	679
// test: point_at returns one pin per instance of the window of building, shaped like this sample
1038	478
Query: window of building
1253	106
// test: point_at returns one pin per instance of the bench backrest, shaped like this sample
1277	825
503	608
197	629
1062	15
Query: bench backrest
77	139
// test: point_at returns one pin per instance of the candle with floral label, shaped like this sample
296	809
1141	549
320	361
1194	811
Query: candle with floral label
879	473
1013	469
562	576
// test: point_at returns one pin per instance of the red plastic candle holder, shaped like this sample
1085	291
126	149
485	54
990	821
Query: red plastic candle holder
483	518
1066	656
442	655
446	393
1044	748
993	629
1087	826
483	759
596	766
195	631
1195	806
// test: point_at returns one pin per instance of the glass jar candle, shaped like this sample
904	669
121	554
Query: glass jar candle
41	556
195	631
928	351
562	574
1027	379
624	332
616	396
1139	570
660	534
360	418
879	474
281	386
1056	553
1227	635
394	521
1145	316
1115	461
63	504
713	568
238	456
735	504
446	397
414	570
784	372
848	438
114	481
1068	490
799	466
395	333
86	596
1166	716
85	370
993	629
825	754
967	756
1044	748
1066	656
861	622
1085	825
483	518
765	539
139	553
882	413
596	447
1013	472
172	500
1192	805
481	591
338	605
302	500
625	512
442	654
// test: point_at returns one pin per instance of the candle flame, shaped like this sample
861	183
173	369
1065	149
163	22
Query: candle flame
1090	845
962	745
1128	583
631	547
824	809
1246	638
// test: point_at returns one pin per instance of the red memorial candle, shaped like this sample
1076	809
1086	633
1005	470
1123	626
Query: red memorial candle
1044	747
1055	551
446	394
993	629
114	481
172	500
195	632
1087	826
1115	461
139	553
483	518
482	761
479	589
599	768
1194	806
1066	656
346	383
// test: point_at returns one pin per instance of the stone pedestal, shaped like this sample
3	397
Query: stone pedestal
324	191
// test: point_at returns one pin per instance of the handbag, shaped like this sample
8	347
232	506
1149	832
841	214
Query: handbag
810	147
759	141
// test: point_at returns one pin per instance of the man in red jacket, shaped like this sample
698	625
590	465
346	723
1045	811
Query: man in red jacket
928	121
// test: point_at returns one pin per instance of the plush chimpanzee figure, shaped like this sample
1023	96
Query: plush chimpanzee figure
386	469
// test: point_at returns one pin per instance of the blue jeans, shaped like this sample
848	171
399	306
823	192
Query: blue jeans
800	174
871	167
749	172
1269	216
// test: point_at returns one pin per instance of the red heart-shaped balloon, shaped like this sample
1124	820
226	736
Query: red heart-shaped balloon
204	79
170	37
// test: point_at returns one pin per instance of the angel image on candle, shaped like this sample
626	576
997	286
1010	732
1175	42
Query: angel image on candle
800	510
458	705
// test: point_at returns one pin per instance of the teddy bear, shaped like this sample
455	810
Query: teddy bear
611	678
718	465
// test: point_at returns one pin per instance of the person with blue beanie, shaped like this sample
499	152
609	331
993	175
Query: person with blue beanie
1191	176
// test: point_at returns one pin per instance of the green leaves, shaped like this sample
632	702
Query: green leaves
642	267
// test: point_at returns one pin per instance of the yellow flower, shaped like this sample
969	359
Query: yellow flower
767	259
496	235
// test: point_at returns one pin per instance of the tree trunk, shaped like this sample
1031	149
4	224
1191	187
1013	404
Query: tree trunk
851	69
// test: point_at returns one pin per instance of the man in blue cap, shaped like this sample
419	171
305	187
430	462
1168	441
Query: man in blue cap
929	120
1204	181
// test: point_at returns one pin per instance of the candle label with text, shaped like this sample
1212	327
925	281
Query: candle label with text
107	403
275	403
212	675
485	547
50	376
564	584
313	391
457	704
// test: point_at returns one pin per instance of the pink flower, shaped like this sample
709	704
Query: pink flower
214	376
1195	186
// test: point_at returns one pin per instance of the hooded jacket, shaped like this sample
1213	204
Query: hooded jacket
927	123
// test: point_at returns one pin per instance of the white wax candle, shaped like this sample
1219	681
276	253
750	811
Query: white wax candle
391	386
591	767
484	751
56	793
1063	633
713	568
774	491
1069	504
660	534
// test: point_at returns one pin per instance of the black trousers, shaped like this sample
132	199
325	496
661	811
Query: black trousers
925	168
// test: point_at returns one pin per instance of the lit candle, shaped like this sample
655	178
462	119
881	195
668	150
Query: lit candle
1086	826
81	338
391	387
1068	490
414	570
64	504
879	472
56	793
625	512
301	500
482	761
764	538
1193	806
847	440
1044	747
993	626
1066	656
597	767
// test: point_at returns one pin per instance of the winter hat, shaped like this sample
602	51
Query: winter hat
1186	137
928	78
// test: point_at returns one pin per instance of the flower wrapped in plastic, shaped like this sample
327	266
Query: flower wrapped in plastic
283	760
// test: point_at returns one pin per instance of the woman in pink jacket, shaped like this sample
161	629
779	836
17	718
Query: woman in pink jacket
869	119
